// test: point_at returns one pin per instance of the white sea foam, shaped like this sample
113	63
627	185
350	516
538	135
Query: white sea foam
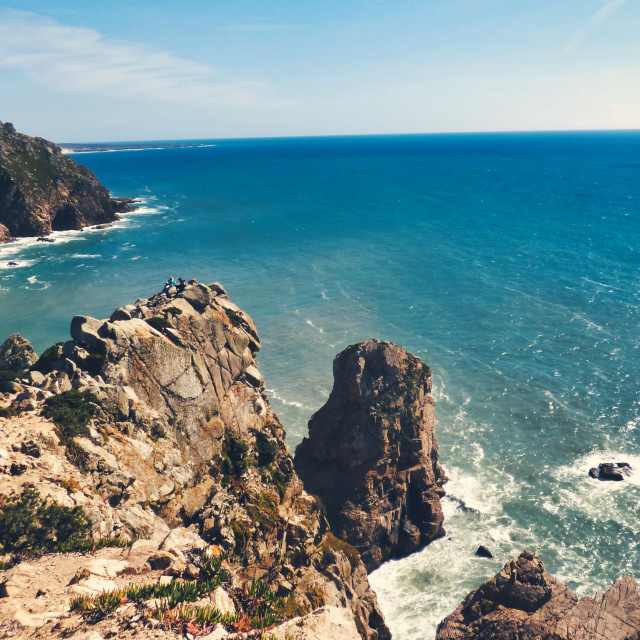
292	403
318	329
85	256
578	471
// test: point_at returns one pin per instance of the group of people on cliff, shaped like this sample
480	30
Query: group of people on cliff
172	283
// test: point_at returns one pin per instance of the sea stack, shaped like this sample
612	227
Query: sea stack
371	455
42	190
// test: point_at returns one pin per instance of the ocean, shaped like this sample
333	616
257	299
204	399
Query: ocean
509	263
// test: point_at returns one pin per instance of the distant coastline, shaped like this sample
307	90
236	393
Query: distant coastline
101	147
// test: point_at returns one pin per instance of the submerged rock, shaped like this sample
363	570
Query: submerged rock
524	602
372	456
615	471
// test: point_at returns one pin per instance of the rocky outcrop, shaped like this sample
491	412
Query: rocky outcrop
616	471
16	353
42	190
182	435
523	601
372	456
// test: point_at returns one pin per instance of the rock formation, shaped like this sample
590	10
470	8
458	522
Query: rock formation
616	471
523	601
16	353
372	456
154	421
42	190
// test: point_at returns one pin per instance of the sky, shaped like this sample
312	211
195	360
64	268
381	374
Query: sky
74	71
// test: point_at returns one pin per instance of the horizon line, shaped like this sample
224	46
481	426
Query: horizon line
349	135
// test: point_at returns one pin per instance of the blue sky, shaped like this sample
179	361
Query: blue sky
140	70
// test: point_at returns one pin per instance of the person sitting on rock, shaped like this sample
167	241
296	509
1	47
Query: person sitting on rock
180	287
167	288
172	282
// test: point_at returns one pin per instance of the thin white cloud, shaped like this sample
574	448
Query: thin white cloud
257	27
594	21
78	59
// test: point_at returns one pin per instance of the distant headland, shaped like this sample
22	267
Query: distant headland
43	190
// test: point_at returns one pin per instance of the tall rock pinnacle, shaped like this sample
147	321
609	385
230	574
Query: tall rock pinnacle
372	456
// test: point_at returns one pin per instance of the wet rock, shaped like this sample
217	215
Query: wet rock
371	454
524	601
483	552
616	471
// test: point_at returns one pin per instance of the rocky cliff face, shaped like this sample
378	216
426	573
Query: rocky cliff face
523	601
182	435
42	190
372	456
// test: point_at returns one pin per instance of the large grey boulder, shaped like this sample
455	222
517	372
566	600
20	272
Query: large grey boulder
16	353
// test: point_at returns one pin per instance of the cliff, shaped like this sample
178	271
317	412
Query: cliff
153	425
524	601
42	190
372	456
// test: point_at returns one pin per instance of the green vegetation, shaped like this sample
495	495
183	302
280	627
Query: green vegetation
335	544
234	455
158	323
265	448
8	412
7	376
29	524
258	607
315	597
175	593
71	412
95	363
157	431
48	357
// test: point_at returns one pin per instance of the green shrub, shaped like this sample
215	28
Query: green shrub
158	323
7	376
234	455
71	412
48	357
29	524
265	448
95	363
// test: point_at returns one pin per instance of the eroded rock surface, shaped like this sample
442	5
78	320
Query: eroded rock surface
42	190
16	353
183	436
524	602
372	456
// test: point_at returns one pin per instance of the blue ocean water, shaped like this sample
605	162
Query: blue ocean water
507	262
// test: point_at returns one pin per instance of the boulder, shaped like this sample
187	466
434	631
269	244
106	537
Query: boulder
523	601
615	471
16	353
483	552
372	456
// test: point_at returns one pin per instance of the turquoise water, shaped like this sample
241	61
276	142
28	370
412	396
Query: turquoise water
507	262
